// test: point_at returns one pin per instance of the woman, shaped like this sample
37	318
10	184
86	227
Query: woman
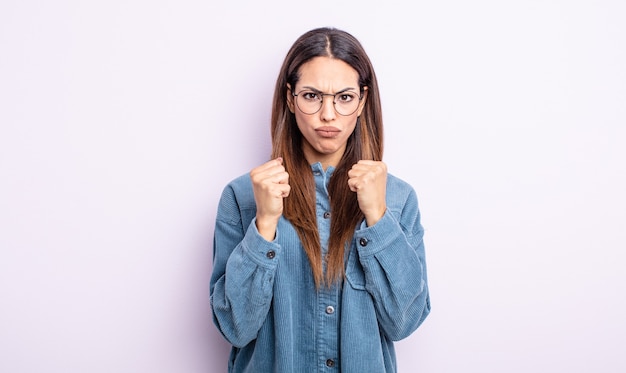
318	253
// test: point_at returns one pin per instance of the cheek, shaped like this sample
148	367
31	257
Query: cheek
302	121
354	121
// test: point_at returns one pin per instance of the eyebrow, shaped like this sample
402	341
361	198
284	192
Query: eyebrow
319	91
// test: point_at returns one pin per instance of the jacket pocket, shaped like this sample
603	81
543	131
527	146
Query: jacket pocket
354	271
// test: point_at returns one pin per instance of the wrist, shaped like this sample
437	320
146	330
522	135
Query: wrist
266	227
373	218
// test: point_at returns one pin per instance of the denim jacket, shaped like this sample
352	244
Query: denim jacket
265	302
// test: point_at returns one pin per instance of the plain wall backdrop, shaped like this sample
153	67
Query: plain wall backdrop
122	120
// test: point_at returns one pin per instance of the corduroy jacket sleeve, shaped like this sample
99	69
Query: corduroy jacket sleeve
391	253
244	265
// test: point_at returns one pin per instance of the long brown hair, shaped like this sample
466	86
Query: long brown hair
366	142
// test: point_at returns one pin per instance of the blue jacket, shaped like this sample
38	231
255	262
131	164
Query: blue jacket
265	302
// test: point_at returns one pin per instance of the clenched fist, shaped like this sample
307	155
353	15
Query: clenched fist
369	180
270	183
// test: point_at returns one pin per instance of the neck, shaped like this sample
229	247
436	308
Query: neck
325	159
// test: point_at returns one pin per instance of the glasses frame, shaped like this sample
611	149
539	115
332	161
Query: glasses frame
322	94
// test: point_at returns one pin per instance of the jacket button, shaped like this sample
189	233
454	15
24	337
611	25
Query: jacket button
326	215
330	363
271	254
363	242
330	310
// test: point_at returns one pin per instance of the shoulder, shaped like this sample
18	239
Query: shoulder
399	193
239	185
397	186
237	198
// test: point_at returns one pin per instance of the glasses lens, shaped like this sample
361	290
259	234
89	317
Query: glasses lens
310	102
346	103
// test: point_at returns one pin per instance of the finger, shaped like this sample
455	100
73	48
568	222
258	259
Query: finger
279	178
357	170
279	191
367	162
273	175
284	178
277	162
285	190
362	166
371	164
371	168
353	184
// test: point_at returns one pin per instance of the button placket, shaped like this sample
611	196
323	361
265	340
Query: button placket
327	301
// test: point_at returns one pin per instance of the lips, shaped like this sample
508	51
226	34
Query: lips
327	131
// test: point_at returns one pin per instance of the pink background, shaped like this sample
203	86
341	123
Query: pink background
121	121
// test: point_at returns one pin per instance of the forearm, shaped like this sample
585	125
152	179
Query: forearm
242	284
395	275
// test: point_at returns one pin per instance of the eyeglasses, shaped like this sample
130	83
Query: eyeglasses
310	102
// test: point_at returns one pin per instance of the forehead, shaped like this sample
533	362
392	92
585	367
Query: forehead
328	74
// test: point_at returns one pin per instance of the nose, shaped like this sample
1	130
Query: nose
327	112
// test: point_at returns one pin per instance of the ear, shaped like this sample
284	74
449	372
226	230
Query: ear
362	103
290	98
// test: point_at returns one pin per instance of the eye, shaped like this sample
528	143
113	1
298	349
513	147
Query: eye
345	97
310	96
